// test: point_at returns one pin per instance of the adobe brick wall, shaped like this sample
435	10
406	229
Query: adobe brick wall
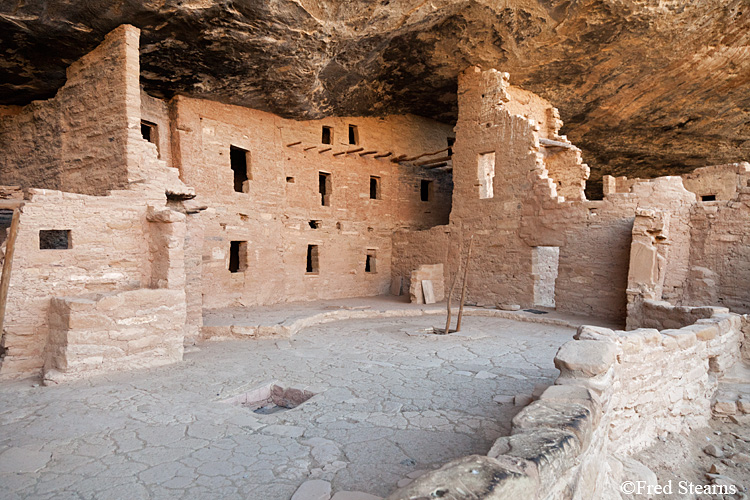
76	141
127	241
282	197
531	207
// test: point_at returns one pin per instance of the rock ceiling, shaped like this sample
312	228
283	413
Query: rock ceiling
646	87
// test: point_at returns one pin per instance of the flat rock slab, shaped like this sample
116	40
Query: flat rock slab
316	489
354	495
20	460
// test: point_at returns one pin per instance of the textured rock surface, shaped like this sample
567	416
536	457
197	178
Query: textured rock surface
646	87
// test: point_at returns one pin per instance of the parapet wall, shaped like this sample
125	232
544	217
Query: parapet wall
617	392
78	140
118	331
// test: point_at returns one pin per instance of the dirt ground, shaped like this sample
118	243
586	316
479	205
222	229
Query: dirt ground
685	460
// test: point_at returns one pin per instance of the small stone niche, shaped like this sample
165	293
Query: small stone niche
271	398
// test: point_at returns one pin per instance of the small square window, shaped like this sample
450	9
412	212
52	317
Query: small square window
290	180
374	187
237	256
148	131
54	239
327	135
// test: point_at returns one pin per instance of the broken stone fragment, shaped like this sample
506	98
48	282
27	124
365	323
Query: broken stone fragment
713	451
508	307
522	399
725	406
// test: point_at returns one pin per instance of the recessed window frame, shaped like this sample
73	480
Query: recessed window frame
371	261
353	135
375	187
325	188
326	135
240	161
237	256
49	237
426	189
313	260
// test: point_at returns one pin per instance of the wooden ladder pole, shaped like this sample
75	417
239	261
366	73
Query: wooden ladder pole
5	279
450	296
463	290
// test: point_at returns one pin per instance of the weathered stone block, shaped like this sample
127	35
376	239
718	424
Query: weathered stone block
571	417
586	358
473	477
550	452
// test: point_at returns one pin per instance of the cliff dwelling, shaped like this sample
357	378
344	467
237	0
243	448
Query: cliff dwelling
275	288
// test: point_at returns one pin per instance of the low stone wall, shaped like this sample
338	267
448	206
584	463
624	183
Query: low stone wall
292	325
660	314
117	331
617	392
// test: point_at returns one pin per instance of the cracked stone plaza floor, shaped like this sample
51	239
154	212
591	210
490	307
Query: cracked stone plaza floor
389	403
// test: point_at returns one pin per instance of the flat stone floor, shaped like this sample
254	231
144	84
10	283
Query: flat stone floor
389	403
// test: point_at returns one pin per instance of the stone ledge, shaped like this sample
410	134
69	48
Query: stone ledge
575	418
292	326
474	477
585	358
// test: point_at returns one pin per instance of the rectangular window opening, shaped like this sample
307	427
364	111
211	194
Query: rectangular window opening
148	131
290	180
425	189
353	135
708	197
327	135
370	262
374	187
237	256
312	260
324	188
315	224
486	174
451	142
54	239
240	161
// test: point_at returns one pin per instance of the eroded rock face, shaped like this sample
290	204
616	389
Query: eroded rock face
646	87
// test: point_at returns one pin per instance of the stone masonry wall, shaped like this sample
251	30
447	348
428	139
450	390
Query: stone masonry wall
75	142
116	331
125	241
530	208
280	212
617	392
